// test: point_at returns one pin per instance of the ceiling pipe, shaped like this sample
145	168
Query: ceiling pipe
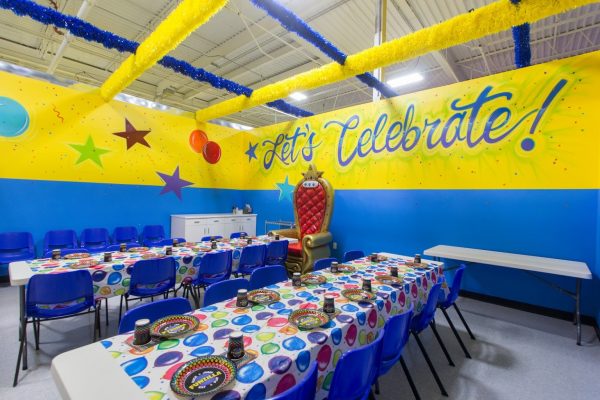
380	37
85	8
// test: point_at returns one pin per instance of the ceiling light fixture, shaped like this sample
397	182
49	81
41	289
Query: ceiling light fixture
298	96
405	80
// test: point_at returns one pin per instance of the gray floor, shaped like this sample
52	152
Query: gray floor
518	355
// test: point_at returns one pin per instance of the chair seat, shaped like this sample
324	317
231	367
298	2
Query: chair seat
58	310
15	256
295	249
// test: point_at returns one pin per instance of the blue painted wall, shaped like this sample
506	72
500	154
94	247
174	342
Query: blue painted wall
550	223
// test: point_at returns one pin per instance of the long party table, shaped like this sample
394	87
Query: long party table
283	352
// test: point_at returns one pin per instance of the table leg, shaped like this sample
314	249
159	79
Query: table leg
22	325
577	310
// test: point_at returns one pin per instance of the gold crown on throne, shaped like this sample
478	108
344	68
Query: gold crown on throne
312	173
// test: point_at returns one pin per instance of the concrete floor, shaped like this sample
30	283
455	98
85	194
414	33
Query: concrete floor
517	355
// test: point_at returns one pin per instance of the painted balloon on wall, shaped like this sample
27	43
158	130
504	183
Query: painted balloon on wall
211	151
14	119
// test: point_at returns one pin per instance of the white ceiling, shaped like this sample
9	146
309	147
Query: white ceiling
244	44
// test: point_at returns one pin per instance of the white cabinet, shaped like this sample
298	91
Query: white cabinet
193	227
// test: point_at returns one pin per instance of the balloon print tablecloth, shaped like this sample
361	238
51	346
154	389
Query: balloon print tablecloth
284	352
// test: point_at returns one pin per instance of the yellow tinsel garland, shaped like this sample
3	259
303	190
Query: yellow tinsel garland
185	19
487	20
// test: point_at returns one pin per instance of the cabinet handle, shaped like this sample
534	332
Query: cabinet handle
196	222
216	220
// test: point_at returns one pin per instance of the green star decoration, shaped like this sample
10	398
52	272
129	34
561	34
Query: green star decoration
89	151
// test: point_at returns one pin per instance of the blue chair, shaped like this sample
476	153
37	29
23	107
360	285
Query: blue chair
420	322
212	267
323	263
223	290
150	278
209	238
72	292
169	241
125	234
268	275
353	255
252	257
236	235
445	302
117	247
63	239
276	252
154	311
152	235
64	252
16	246
95	239
303	390
352	383
397	330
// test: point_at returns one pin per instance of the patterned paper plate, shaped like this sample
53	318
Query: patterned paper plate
348	269
388	279
263	296
203	375
137	249
74	256
147	256
86	263
174	325
358	295
313	279
307	319
416	265
380	258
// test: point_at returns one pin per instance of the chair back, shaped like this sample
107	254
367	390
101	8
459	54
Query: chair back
313	203
323	263
356	371
152	234
64	252
397	329
60	239
268	275
455	288
353	255
117	247
153	276
236	235
125	234
303	390
169	241
214	263
71	292
16	246
422	320
276	252
223	290
95	238
154	311
209	238
253	256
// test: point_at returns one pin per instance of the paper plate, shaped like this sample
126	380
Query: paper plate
307	319
313	279
346	268
358	295
148	256
137	249
416	265
388	279
86	263
74	256
263	296
174	325
203	375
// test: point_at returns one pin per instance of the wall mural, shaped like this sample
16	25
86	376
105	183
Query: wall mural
534	127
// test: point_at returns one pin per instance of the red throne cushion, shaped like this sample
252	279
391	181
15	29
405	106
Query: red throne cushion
311	204
295	249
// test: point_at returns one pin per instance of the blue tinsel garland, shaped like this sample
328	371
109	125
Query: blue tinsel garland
87	31
522	46
293	23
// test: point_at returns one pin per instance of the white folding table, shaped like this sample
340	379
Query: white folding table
530	264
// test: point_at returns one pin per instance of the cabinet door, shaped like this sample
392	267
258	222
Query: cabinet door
248	225
195	230
230	225
215	227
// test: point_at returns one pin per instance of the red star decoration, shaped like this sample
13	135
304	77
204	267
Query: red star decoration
132	135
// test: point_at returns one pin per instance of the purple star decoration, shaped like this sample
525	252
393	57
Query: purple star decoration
173	183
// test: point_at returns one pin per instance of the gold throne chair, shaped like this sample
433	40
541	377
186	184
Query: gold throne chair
313	204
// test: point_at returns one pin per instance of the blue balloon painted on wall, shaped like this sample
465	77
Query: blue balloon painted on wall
14	119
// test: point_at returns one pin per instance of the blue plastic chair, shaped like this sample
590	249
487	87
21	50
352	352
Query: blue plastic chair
353	255
305	389
209	238
425	319
154	311
323	263
277	252
397	330
268	275
445	302
352	383
64	252
236	235
224	290
212	267
63	239
152	235
16	246
169	241
73	294
125	234
150	278
95	239
252	257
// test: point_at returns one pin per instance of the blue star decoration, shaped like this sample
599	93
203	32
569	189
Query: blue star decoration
285	190
251	152
173	183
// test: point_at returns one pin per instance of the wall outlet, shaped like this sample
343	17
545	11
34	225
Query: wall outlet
334	245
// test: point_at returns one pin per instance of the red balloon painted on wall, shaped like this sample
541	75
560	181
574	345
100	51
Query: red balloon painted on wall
211	152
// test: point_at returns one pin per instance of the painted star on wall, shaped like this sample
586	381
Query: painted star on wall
132	135
251	152
89	151
285	190
173	183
